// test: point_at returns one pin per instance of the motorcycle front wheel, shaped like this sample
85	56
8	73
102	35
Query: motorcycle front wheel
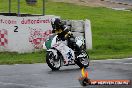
83	61
52	61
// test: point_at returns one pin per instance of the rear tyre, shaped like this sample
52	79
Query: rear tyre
52	61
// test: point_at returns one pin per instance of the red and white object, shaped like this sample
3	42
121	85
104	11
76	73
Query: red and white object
3	38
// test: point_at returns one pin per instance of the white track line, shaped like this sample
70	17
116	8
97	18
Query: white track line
112	59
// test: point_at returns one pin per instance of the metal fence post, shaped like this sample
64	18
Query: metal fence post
9	6
43	7
18	8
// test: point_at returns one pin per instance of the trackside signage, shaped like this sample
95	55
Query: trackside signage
23	34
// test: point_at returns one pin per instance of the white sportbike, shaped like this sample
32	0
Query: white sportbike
59	54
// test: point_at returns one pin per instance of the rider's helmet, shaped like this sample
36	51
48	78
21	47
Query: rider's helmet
56	23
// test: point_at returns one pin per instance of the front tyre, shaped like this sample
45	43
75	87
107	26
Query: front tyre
52	61
83	61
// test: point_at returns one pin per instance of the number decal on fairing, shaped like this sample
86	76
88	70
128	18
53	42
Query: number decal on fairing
80	38
69	54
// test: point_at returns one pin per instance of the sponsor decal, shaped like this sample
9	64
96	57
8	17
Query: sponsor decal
38	37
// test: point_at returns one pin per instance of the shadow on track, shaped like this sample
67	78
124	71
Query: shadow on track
66	70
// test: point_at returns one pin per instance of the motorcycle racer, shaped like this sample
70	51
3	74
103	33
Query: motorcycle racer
64	34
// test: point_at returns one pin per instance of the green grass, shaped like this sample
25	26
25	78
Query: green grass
28	58
111	30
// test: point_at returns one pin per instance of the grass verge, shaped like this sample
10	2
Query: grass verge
26	58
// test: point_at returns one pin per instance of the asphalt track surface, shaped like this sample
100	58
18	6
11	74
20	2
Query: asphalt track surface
41	76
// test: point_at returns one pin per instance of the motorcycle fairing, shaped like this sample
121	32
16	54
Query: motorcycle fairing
67	53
